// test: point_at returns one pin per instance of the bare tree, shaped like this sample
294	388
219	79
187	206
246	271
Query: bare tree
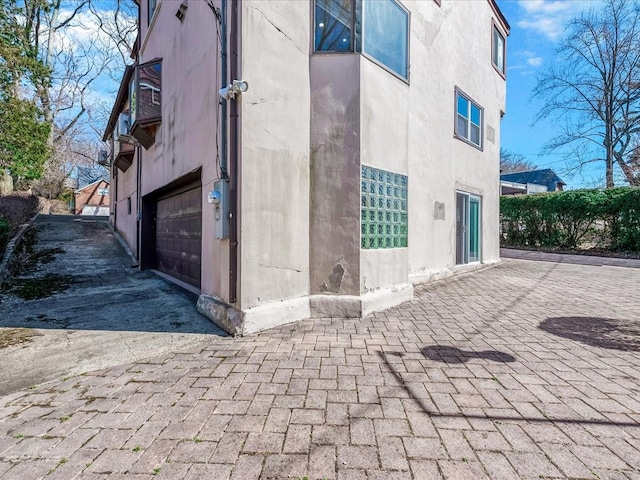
593	89
511	162
85	45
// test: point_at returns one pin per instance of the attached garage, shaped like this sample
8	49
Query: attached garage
178	234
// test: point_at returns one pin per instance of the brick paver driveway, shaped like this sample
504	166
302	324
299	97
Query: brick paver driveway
526	370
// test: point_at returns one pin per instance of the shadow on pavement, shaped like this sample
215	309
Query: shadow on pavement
447	354
429	409
598	332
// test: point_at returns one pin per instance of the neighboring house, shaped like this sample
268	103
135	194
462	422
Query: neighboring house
352	153
533	181
90	174
93	199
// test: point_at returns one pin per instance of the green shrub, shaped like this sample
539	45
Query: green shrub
608	219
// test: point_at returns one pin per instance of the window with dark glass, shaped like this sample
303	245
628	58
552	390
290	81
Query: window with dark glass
468	125
151	8
333	26
384	25
498	48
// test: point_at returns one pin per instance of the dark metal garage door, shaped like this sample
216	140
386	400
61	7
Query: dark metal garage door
179	235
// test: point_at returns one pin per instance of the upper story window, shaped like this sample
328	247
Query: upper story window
145	101
334	26
151	9
498	50
386	34
384	25
468	125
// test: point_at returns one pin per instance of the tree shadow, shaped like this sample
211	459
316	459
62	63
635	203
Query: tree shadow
448	354
607	333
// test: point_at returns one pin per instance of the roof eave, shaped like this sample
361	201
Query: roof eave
500	15
121	99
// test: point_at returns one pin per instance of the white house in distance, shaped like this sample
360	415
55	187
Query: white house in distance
288	159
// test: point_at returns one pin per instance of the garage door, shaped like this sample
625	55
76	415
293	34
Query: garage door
179	235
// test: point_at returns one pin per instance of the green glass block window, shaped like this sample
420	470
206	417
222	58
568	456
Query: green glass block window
383	209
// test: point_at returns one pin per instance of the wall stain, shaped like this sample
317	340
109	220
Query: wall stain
335	279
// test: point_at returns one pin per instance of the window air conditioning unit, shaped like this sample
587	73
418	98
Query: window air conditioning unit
103	158
122	127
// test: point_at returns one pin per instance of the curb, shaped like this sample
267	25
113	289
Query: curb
124	245
11	246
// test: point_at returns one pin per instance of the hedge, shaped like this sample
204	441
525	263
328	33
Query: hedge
604	219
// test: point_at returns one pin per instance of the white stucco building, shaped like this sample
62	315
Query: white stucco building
356	154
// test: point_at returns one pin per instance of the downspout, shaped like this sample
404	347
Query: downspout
234	162
223	82
138	203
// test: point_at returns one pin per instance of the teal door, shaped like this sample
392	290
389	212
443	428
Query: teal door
468	226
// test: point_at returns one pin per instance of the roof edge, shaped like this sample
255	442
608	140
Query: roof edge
92	184
123	91
500	15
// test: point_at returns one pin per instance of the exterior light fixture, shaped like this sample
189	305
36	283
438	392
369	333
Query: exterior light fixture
230	91
182	9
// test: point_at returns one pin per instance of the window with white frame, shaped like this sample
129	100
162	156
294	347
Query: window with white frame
498	50
468	125
377	28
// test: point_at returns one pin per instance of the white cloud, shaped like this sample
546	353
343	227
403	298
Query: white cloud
526	61
549	17
534	61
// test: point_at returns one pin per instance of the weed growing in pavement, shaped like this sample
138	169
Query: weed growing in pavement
42	287
156	471
136	448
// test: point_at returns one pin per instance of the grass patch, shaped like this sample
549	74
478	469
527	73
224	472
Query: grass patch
15	336
43	287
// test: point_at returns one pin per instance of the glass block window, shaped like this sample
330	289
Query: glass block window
384	219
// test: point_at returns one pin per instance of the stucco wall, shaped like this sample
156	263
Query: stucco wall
125	187
385	112
409	129
335	174
463	34
186	138
275	132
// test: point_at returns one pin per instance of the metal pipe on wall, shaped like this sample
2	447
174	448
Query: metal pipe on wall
234	163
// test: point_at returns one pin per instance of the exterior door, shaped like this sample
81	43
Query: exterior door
179	235
468	222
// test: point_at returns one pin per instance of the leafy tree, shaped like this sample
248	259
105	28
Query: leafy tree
24	132
511	162
23	139
59	59
593	88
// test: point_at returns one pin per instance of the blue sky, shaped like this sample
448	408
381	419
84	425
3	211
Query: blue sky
536	28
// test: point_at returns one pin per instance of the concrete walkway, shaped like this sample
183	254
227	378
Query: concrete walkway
528	370
95	311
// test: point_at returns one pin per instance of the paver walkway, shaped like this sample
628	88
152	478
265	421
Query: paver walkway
527	370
